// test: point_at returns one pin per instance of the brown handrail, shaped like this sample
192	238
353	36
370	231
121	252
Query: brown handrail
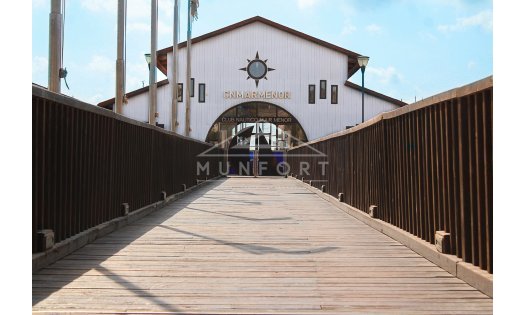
427	166
88	161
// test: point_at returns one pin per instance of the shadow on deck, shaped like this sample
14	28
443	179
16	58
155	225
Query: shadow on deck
250	246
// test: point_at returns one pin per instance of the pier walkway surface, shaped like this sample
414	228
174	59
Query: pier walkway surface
251	246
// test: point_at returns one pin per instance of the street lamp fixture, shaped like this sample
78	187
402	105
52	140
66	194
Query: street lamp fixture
148	58
362	62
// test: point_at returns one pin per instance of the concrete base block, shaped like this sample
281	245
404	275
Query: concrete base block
125	209
46	239
373	211
443	242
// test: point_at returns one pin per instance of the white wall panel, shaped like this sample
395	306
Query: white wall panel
137	107
298	62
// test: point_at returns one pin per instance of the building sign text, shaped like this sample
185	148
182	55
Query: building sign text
256	95
274	120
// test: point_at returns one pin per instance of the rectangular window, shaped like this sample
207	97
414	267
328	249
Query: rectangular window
323	89
179	92
192	83
312	91
202	91
334	94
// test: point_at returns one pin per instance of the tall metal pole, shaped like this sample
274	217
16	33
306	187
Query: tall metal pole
119	66
256	151
175	66
153	65
55	45
188	68
363	92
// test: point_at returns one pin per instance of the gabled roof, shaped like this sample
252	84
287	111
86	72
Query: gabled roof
352	64
374	93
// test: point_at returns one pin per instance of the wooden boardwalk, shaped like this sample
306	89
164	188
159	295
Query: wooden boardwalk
251	246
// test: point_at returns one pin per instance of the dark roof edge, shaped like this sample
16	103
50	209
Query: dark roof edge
374	93
265	21
107	103
352	64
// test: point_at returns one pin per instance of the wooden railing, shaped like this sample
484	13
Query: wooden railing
426	166
88	161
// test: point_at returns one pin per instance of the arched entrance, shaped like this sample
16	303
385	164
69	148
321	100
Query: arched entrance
256	135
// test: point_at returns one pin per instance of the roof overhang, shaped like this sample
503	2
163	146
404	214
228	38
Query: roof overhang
352	64
352	61
108	104
376	94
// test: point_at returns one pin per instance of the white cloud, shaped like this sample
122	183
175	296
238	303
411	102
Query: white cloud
39	65
39	3
373	29
99	5
134	8
347	9
138	26
483	19
139	9
348	28
137	67
145	27
139	16
167	7
134	83
163	28
101	64
136	72
454	4
306	4
428	36
384	75
472	64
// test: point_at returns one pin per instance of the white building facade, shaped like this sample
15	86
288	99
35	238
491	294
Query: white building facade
260	61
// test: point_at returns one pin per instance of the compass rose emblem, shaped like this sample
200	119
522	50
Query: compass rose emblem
257	69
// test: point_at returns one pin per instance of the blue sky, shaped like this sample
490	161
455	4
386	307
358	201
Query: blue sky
417	47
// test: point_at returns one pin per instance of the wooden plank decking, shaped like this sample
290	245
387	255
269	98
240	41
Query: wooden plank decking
245	245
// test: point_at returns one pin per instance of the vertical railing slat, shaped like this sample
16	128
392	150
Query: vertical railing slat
427	169
87	163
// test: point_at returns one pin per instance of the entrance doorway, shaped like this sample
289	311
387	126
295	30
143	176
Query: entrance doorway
256	135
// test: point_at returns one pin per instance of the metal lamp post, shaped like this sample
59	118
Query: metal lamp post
362	62
148	58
